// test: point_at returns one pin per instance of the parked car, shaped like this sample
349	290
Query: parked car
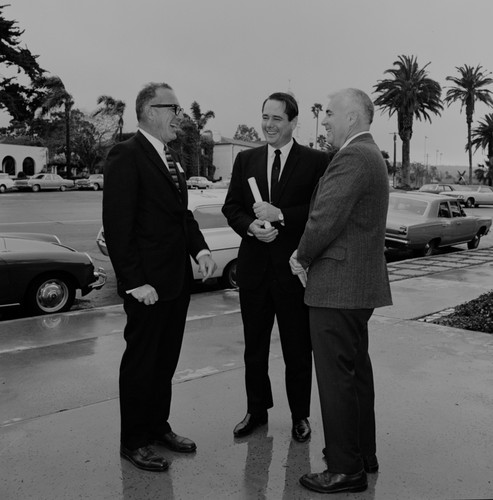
43	181
40	274
474	195
424	222
448	189
222	240
198	183
6	183
94	182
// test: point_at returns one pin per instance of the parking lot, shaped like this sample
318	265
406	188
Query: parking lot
75	217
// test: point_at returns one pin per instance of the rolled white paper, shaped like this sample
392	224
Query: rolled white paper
257	197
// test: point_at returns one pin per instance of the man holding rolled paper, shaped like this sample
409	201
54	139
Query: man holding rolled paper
267	205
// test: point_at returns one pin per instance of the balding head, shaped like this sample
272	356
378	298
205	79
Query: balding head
349	112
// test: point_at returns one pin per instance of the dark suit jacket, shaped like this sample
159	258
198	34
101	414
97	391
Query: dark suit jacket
343	243
149	232
300	175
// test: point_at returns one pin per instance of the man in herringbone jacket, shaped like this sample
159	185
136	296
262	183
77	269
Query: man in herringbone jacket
342	248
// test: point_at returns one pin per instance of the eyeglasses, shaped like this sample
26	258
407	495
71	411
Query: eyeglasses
175	107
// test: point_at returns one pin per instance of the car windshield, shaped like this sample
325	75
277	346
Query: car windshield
402	204
39	176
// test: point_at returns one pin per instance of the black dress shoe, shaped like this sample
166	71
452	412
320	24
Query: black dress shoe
176	443
301	430
370	463
144	458
330	482
249	424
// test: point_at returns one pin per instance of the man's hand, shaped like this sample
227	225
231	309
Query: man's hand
261	233
297	268
146	294
206	266
266	211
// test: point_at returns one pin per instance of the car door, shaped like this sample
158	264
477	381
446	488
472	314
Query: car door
463	227
445	216
484	196
5	279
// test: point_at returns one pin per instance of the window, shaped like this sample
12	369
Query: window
455	209
443	210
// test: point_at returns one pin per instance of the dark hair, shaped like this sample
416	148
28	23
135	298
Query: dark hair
146	94
290	104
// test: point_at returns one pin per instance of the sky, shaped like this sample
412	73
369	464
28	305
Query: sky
229	55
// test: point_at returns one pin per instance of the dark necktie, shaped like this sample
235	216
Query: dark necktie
274	177
172	168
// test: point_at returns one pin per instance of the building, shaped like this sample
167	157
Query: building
17	158
225	151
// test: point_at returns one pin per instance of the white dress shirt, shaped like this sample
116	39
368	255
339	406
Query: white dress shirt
283	157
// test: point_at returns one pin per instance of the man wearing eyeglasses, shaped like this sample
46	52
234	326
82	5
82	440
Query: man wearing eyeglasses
150	235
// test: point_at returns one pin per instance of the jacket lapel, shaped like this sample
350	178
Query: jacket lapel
158	163
260	173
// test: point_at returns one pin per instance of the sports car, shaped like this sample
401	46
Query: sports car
41	275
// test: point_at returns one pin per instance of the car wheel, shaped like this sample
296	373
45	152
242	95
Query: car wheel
51	293
95	187
474	243
63	188
35	188
430	248
470	202
228	279
3	189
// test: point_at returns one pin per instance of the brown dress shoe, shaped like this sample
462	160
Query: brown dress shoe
301	430
330	482
176	443
249	424
145	458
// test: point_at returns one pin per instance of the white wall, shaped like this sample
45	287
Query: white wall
20	154
223	158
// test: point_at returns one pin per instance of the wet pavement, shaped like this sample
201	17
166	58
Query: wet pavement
59	420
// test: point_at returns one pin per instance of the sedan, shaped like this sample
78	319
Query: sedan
6	183
424	222
198	183
222	240
94	182
41	275
43	181
448	189
473	196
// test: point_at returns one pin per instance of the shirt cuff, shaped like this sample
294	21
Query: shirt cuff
203	252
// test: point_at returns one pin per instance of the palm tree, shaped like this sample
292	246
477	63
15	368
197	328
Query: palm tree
55	97
468	89
316	108
200	119
410	94
112	107
482	137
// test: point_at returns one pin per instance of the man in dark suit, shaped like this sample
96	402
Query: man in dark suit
342	248
150	235
286	175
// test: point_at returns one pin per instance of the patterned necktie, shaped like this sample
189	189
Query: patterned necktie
172	168
274	178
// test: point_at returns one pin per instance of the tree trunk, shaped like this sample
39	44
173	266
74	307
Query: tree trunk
68	152
469	148
405	159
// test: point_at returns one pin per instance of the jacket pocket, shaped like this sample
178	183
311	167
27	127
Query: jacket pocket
336	253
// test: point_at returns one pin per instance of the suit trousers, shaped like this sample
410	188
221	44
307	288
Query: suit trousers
259	308
345	384
153	336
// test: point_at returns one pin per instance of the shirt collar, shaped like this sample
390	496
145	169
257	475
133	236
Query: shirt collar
354	137
158	145
284	150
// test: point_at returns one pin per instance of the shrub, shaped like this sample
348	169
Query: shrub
476	315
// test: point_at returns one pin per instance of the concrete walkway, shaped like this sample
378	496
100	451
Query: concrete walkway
59	421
